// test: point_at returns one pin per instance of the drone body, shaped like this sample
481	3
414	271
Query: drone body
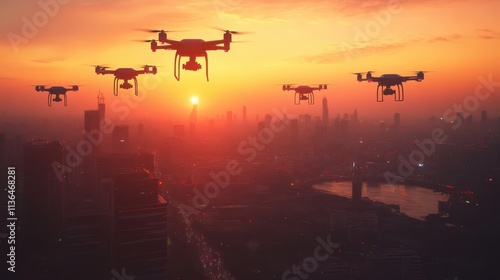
56	92
304	92
386	81
125	74
191	48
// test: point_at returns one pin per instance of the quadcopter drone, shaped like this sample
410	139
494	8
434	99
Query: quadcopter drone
57	91
191	48
304	92
389	80
125	74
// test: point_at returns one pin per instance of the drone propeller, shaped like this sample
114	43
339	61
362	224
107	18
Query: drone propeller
144	41
361	73
416	72
103	66
157	30
148	65
232	32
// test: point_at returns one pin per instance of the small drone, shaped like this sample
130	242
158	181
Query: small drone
57	91
304	92
389	80
191	48
125	74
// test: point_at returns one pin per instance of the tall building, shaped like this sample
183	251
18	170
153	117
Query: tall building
356	191
294	130
124	226
3	151
355	117
325	111
484	119
229	118
194	114
91	119
397	120
42	191
101	106
120	139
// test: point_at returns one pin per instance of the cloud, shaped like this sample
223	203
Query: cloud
487	34
348	51
48	60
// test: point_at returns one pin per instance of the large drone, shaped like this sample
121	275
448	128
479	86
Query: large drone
125	74
191	48
386	81
304	92
57	91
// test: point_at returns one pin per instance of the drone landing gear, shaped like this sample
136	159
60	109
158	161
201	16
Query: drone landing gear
56	99
190	65
125	85
399	95
304	96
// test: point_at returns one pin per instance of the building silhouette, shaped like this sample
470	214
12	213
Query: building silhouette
325	111
397	120
120	139
484	119
101	106
244	115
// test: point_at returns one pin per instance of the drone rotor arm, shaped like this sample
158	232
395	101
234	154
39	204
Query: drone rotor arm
136	86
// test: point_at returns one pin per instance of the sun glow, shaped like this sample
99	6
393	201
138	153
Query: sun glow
194	100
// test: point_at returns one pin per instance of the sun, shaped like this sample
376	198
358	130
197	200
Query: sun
194	100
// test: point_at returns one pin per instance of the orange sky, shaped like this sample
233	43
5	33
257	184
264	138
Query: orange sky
293	41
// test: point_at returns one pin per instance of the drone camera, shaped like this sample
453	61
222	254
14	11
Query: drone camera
389	91
191	65
75	88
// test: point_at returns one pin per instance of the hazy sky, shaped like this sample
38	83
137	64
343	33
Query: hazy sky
293	41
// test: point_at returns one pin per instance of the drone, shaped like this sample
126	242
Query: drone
125	74
57	91
389	80
304	92
191	48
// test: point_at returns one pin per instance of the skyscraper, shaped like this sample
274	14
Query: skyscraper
355	117
484	119
42	191
120	139
397	120
194	114
229	118
325	111
101	107
91	120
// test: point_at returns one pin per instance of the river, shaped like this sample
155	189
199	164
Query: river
414	201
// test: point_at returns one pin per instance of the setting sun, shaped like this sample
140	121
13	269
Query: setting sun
194	100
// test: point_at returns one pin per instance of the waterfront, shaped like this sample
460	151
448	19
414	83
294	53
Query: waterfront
414	201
